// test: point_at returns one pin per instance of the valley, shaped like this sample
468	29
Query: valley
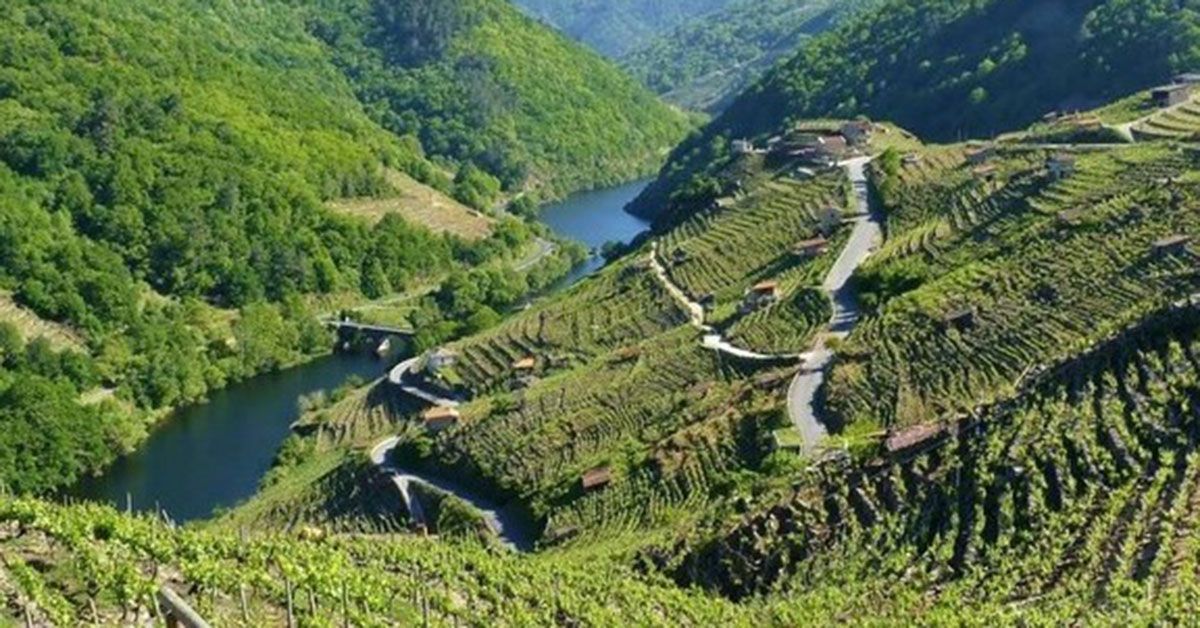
365	313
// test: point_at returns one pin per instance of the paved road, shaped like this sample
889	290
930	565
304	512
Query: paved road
513	530
401	375
868	230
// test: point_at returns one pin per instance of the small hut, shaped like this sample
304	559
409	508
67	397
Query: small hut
808	249
1170	245
439	418
961	320
525	365
596	478
1061	165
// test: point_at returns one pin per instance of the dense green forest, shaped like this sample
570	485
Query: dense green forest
164	174
616	27
705	62
479	83
953	69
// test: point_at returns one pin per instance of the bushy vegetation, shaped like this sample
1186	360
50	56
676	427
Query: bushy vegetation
512	103
954	68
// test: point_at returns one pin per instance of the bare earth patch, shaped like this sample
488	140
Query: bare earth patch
32	326
420	204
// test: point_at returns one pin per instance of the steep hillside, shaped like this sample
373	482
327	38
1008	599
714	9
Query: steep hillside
479	83
954	68
165	171
705	62
615	27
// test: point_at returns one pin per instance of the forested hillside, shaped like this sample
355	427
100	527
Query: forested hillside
165	171
616	27
708	60
951	69
482	85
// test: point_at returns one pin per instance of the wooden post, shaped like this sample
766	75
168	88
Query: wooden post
178	612
345	608
245	605
291	609
425	611
28	615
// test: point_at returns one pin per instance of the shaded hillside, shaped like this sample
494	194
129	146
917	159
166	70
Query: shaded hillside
955	68
478	82
615	27
164	174
705	62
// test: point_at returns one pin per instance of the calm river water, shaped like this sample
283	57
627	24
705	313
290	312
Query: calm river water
213	455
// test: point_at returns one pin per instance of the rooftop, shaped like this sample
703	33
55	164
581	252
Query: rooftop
599	476
765	286
525	364
913	436
440	413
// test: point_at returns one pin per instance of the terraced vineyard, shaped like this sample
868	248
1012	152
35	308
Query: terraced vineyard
1182	122
536	445
724	251
1078	500
1042	267
785	328
72	566
621	306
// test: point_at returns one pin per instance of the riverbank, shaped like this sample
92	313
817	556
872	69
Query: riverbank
211	456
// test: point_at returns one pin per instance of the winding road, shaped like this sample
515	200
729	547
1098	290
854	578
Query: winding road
512	529
802	393
868	230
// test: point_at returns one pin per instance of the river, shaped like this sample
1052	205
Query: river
213	455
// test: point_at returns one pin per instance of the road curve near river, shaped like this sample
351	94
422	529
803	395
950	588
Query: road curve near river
512	529
865	237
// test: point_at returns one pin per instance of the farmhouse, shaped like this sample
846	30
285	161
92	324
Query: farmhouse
1171	245
807	249
960	320
743	147
1061	165
439	418
596	479
857	132
1170	95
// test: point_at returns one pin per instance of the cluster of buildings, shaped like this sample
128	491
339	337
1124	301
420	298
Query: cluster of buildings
817	149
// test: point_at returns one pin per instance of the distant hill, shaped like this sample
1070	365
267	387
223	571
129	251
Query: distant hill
954	68
706	61
479	82
616	27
